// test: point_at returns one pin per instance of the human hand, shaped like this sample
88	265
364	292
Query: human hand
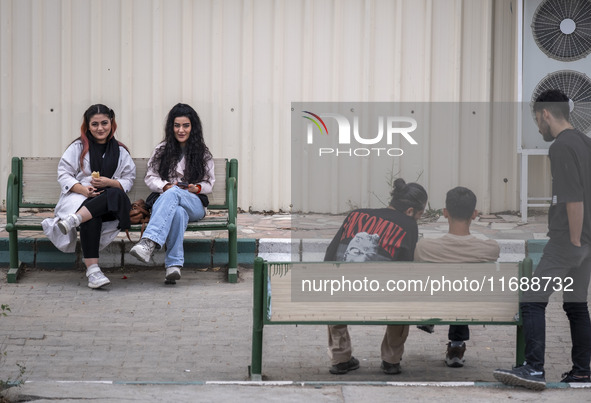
194	188
91	191
101	182
166	187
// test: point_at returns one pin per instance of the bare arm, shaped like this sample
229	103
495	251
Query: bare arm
574	211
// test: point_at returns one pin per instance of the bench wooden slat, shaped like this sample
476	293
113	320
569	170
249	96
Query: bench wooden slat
39	181
39	184
480	306
209	222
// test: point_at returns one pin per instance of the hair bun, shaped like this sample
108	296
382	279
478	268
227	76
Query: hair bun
399	185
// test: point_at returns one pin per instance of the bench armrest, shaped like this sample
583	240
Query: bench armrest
232	191
12	194
231	195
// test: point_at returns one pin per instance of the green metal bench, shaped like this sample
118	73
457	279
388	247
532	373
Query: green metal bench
33	184
277	298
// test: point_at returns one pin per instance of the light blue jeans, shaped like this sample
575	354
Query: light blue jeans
170	215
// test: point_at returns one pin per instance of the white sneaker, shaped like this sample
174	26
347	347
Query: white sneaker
143	250
173	273
71	221
96	278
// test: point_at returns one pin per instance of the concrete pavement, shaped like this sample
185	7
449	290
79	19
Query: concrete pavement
140	339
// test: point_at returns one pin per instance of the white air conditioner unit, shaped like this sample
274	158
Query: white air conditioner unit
556	49
555	53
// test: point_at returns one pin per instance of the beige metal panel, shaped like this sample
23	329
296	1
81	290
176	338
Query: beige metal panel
21	107
504	174
6	135
446	57
241	63
474	142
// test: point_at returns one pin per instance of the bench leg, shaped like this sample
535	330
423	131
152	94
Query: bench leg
257	355
232	254
257	322
13	269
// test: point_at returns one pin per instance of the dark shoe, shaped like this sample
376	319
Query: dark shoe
524	375
569	377
454	357
344	367
391	369
426	328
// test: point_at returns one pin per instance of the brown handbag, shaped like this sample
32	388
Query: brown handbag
139	213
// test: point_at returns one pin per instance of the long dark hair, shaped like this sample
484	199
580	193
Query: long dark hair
85	134
196	152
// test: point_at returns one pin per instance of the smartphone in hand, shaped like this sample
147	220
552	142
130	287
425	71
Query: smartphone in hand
182	185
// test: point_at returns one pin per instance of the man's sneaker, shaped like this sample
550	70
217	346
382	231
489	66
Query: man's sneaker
143	250
391	369
71	221
96	278
524	375
569	377
173	273
344	367
454	357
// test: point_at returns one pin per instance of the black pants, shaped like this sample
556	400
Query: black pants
561	260
458	333
110	205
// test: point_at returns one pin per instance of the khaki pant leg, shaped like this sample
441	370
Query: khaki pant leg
339	344
393	343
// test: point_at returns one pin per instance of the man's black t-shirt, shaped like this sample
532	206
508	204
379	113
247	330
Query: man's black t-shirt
570	158
374	235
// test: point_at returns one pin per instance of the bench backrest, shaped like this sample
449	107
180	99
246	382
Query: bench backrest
284	303
39	182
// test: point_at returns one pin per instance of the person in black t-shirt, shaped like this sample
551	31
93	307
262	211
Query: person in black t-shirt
385	234
566	262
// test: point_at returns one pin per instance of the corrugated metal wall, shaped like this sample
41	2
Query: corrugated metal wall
241	63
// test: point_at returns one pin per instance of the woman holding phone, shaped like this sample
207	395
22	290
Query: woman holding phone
181	170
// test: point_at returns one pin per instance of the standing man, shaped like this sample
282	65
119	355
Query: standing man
567	254
458	246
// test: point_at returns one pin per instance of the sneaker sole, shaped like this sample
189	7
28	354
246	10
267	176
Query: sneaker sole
98	285
343	371
454	362
571	379
138	256
62	227
514	380
392	372
173	276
